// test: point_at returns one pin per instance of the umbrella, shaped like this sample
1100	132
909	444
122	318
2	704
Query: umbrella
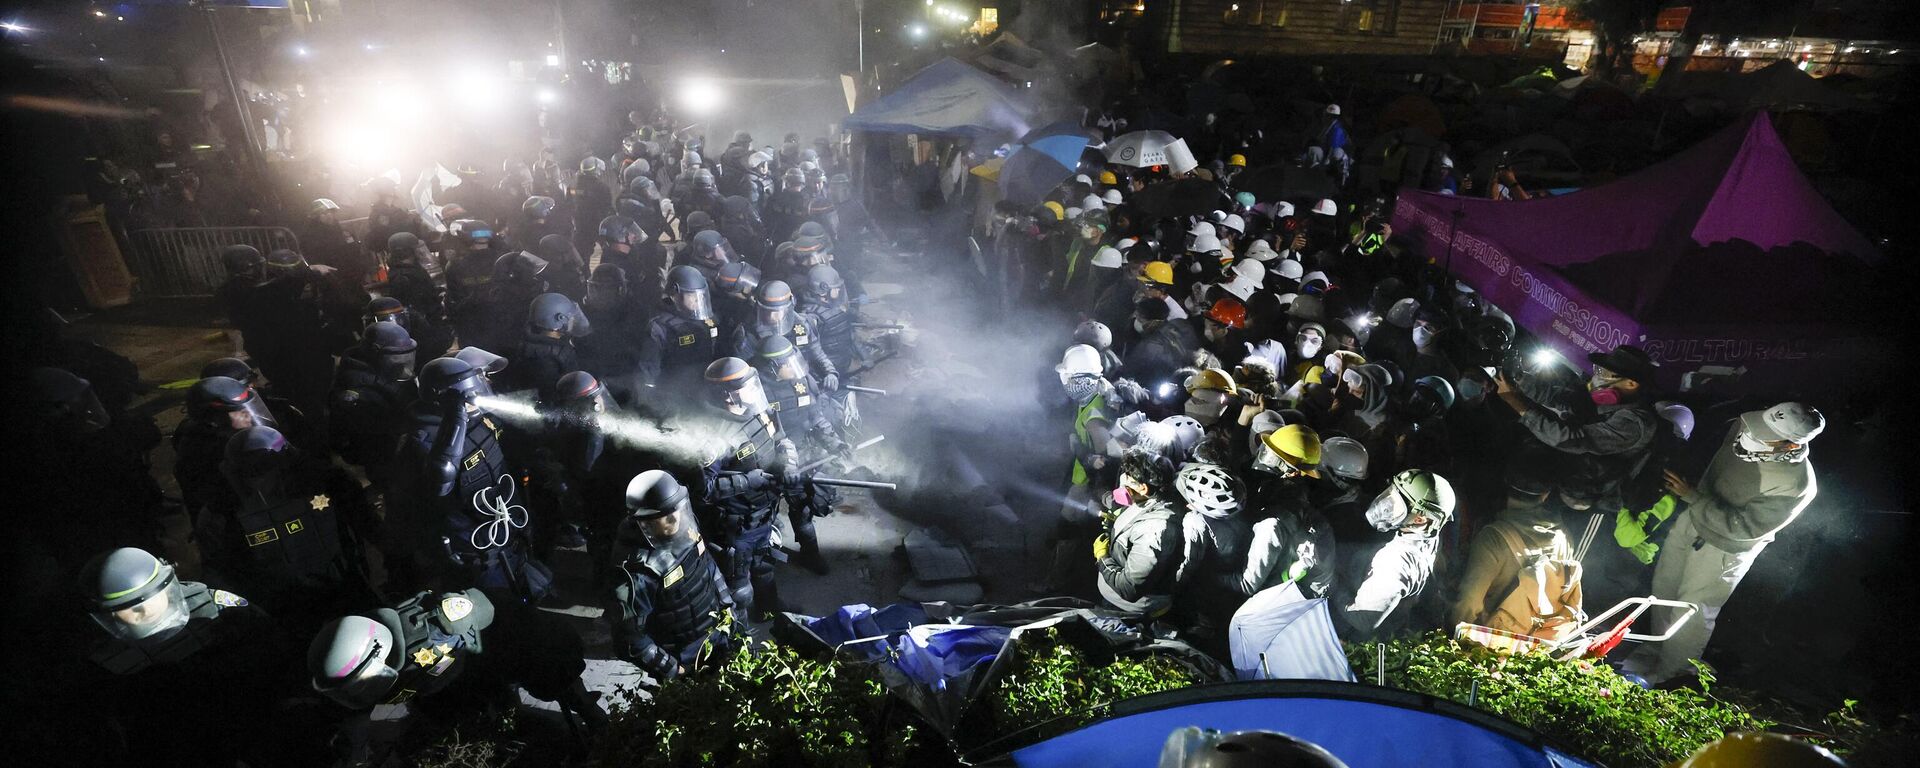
1180	197
1285	182
1139	149
1279	634
1041	160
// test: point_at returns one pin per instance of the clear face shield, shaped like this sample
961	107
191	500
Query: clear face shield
1269	461
693	305
1206	405
773	317
604	294
251	413
791	366
155	617
397	366
830	294
747	399
673	532
367	686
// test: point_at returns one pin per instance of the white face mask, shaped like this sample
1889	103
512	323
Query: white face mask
1422	336
1139	326
1309	345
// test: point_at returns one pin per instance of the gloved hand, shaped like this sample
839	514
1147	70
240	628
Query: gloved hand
1130	390
1100	546
831	383
1645	552
1629	528
758	480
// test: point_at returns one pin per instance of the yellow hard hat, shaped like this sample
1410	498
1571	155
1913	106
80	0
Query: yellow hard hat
1157	272
1107	177
1760	750
1059	213
1237	161
1212	378
1297	445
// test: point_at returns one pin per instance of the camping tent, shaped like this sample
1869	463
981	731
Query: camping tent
948	97
1364	726
1722	255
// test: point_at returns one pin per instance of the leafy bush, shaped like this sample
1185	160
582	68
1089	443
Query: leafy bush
766	707
1586	706
1049	679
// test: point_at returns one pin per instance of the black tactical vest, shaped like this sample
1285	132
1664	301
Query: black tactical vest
292	538
686	596
687	343
203	607
835	326
483	470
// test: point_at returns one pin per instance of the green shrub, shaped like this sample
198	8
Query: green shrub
1049	679
1583	705
767	707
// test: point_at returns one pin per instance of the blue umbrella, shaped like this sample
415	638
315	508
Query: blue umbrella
1041	160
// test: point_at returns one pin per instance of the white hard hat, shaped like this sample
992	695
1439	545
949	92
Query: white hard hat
1079	358
1205	243
1260	251
1126	242
1248	276
758	158
1326	207
1286	299
1315	275
1446	161
1082	178
1333	109
1112	196
1251	270
1201	227
1290	269
1073	213
1282	210
1107	257
1092	203
1235	223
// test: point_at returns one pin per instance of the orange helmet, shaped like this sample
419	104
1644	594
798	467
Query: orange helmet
1228	311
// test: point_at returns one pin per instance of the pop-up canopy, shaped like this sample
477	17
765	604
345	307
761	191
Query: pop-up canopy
948	97
1722	255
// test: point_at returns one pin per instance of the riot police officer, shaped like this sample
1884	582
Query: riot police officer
217	407
193	673
708	251
445	654
786	210
465	512
614	352
431	339
373	388
289	335
624	244
468	277
807	419
682	339
592	201
493	320
736	283
537	221
388	217
325	241
739	491
554	322
290	533
774	315
825	302
409	281
672	598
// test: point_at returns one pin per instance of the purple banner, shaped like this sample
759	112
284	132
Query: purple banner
1537	298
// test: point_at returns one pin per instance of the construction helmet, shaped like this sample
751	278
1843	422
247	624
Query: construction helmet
1159	272
1759	750
1289	450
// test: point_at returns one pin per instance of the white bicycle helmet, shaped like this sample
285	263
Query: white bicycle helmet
1187	433
1344	456
1209	489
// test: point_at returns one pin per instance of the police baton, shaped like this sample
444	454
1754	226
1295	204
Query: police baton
864	390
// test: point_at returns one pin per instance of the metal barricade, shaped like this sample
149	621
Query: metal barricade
186	261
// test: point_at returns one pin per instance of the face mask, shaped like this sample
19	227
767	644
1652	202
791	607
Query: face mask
1309	346
1122	497
1469	389
1750	449
1216	331
1608	396
1422	336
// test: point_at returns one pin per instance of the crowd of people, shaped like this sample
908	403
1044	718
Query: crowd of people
649	356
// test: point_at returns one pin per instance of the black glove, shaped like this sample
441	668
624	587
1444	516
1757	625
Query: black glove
831	383
758	479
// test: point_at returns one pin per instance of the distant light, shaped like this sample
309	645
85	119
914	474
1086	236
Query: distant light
369	46
99	13
14	27
101	59
917	30
547	96
1139	7
1545	357
553	59
700	96
929	2
119	18
301	51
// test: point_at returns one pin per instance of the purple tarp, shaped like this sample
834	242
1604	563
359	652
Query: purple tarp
1709	258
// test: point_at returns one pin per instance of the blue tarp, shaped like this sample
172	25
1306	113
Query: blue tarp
1280	635
948	97
1365	727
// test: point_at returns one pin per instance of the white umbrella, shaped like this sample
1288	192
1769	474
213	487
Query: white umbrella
1139	149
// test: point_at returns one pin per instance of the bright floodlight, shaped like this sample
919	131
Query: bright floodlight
700	96
547	96
553	59
476	91
13	26
1545	357
301	51
917	30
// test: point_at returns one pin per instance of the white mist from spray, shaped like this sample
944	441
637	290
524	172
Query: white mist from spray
693	447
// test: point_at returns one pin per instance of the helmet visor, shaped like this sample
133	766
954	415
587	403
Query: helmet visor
1388	511
160	614
790	366
367	687
694	304
1270	461
745	400
252	412
674	531
774	317
397	366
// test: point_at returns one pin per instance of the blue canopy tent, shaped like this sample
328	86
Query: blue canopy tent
948	97
1365	726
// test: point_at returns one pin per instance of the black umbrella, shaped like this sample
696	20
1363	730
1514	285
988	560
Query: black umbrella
1181	197
1285	182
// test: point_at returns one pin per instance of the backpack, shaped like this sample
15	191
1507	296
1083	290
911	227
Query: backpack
1544	601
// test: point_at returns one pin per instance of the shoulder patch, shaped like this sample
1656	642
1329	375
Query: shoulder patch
227	599
456	608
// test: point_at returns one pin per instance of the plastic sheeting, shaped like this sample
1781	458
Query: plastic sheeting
1281	635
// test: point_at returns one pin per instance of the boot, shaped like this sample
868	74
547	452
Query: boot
810	558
